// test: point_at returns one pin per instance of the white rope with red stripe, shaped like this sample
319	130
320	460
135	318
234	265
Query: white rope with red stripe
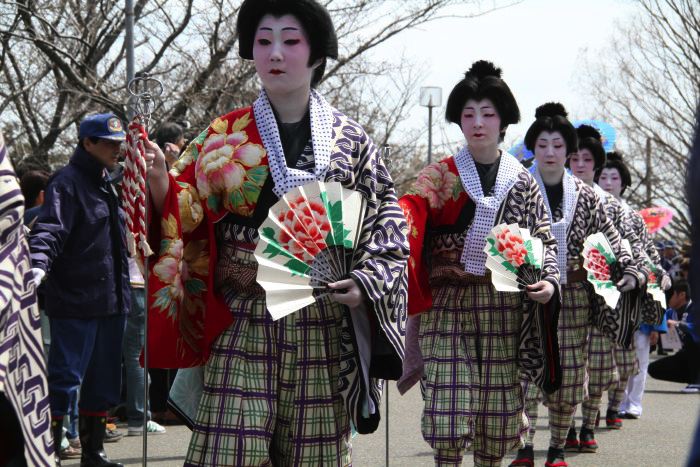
134	192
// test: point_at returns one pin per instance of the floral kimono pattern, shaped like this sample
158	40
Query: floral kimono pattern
433	208
222	173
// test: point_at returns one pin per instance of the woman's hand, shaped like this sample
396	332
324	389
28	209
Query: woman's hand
154	157
665	282
172	151
351	295
541	291
157	174
627	283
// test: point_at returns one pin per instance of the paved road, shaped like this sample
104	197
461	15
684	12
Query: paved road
659	439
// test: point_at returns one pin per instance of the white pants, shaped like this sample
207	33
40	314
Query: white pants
632	403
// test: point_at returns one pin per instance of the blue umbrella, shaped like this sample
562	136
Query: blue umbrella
605	129
521	153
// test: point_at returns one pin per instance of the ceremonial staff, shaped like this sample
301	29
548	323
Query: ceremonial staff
144	91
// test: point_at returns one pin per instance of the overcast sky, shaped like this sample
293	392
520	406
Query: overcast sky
537	43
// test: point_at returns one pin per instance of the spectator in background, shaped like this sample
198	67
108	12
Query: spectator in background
684	365
671	258
132	345
33	184
170	137
79	244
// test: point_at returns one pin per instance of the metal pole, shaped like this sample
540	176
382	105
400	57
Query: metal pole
129	46
130	111
430	134
647	179
144	90
386	455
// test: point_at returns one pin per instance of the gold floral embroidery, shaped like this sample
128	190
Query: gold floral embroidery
191	212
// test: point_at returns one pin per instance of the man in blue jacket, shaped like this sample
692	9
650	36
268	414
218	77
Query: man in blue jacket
78	243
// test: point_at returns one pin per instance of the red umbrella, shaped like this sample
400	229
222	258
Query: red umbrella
657	217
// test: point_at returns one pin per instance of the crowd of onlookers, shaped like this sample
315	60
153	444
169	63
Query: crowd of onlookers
680	333
36	188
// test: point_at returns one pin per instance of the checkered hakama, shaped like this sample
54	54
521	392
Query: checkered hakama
602	373
627	366
573	333
533	397
271	393
467	406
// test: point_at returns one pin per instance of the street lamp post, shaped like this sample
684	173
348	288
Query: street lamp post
430	96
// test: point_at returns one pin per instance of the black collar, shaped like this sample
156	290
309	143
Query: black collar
88	163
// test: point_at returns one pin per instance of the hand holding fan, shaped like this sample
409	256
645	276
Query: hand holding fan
513	257
600	262
307	241
654	284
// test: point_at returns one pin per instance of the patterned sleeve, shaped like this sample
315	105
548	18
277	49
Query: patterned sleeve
648	247
381	270
539	223
415	209
602	223
617	214
180	276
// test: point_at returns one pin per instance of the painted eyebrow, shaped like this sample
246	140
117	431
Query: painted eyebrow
289	28
482	107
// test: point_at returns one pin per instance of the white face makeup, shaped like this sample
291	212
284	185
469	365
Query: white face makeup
281	53
481	124
582	165
611	181
550	153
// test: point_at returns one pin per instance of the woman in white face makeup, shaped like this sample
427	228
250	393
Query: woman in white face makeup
604	369
284	392
576	212
626	395
467	332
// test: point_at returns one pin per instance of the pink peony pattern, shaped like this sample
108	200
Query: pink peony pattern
436	184
308	222
512	247
229	170
597	265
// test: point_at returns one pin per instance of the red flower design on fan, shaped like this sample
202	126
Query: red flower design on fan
598	266
652	278
308	222
512	247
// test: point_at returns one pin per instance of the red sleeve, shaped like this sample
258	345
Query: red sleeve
415	209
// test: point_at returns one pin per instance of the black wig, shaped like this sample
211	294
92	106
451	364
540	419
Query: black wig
483	81
313	17
590	138
614	161
551	117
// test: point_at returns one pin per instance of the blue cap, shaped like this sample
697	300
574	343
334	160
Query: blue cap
670	244
104	126
659	245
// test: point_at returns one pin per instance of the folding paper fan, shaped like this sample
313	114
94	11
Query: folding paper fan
307	241
513	257
599	260
653	284
656	218
607	132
